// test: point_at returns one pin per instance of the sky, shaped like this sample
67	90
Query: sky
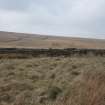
76	18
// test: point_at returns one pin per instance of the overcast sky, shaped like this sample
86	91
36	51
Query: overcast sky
81	18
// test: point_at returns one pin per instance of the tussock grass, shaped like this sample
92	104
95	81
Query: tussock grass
52	81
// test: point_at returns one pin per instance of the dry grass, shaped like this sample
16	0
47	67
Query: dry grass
52	81
37	41
89	90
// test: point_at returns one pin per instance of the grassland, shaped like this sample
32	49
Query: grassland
53	81
22	40
74	80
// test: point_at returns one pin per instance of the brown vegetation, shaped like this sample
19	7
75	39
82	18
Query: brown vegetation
52	78
52	81
20	40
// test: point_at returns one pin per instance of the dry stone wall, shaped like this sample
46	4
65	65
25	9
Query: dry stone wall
24	53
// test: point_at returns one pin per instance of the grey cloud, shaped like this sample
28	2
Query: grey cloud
84	18
15	4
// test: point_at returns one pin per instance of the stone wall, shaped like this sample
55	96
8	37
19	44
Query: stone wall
24	53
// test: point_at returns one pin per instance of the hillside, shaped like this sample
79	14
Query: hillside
72	76
22	40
